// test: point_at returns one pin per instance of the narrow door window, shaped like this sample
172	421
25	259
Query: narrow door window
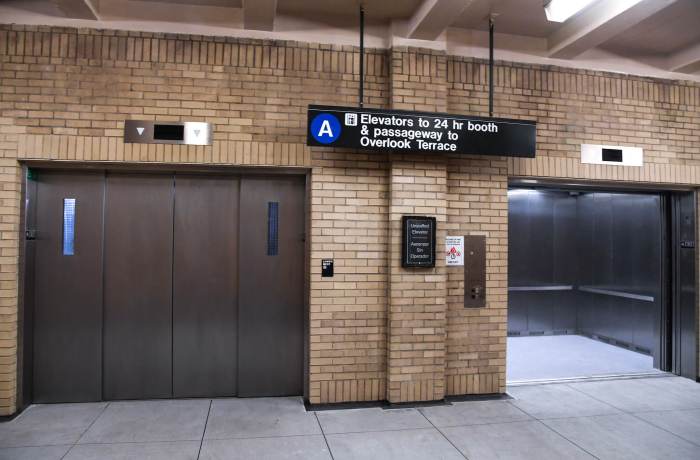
272	228
68	226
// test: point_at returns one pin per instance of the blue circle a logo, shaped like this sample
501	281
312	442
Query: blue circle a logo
325	128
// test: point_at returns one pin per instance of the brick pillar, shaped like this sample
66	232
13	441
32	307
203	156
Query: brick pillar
417	296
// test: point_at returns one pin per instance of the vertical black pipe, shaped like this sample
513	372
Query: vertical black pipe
362	55
490	67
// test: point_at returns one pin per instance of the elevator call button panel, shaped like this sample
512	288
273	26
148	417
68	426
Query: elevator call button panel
474	271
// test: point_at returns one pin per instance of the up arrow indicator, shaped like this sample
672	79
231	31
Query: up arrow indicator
140	130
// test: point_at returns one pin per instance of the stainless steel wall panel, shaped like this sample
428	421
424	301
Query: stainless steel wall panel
541	254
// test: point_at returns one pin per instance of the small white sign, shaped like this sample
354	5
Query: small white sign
350	119
454	250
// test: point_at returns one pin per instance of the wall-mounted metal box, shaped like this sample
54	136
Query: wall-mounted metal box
153	132
474	271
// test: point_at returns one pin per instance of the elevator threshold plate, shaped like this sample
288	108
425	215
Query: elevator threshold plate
593	378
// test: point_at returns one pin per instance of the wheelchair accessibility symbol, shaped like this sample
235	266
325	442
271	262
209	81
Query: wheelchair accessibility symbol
325	128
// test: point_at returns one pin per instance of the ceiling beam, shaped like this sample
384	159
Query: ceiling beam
599	23
77	9
259	14
686	60
433	16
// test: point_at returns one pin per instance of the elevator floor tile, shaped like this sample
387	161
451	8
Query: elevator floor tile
641	395
260	417
517	440
181	450
370	419
473	413
568	357
557	401
638	418
393	445
49	424
622	437
33	453
280	448
683	423
149	421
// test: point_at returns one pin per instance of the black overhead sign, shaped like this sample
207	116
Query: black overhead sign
418	241
403	131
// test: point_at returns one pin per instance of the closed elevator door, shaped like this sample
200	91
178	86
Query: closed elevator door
172	288
138	243
271	284
68	288
205	286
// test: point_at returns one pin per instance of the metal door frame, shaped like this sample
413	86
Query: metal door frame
675	305
25	306
667	327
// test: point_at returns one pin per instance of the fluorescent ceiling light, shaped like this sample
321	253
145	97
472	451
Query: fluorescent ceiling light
561	10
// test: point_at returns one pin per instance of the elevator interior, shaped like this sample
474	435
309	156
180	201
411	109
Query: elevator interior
600	283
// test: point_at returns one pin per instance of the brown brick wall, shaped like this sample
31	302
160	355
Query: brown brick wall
377	331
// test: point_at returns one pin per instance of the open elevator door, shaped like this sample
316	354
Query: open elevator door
600	283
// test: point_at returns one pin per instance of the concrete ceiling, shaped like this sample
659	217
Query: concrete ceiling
664	34
671	29
383	10
220	3
516	17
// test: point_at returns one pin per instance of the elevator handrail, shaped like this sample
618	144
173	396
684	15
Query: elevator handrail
611	292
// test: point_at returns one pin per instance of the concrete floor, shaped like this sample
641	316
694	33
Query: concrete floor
570	356
645	418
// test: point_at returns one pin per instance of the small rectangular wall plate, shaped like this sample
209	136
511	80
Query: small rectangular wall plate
474	271
612	155
153	132
326	268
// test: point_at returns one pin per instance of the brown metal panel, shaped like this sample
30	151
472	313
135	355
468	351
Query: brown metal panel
474	271
138	287
68	290
205	282
271	289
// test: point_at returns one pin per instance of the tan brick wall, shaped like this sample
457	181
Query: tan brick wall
64	94
476	337
349	209
417	296
417	305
